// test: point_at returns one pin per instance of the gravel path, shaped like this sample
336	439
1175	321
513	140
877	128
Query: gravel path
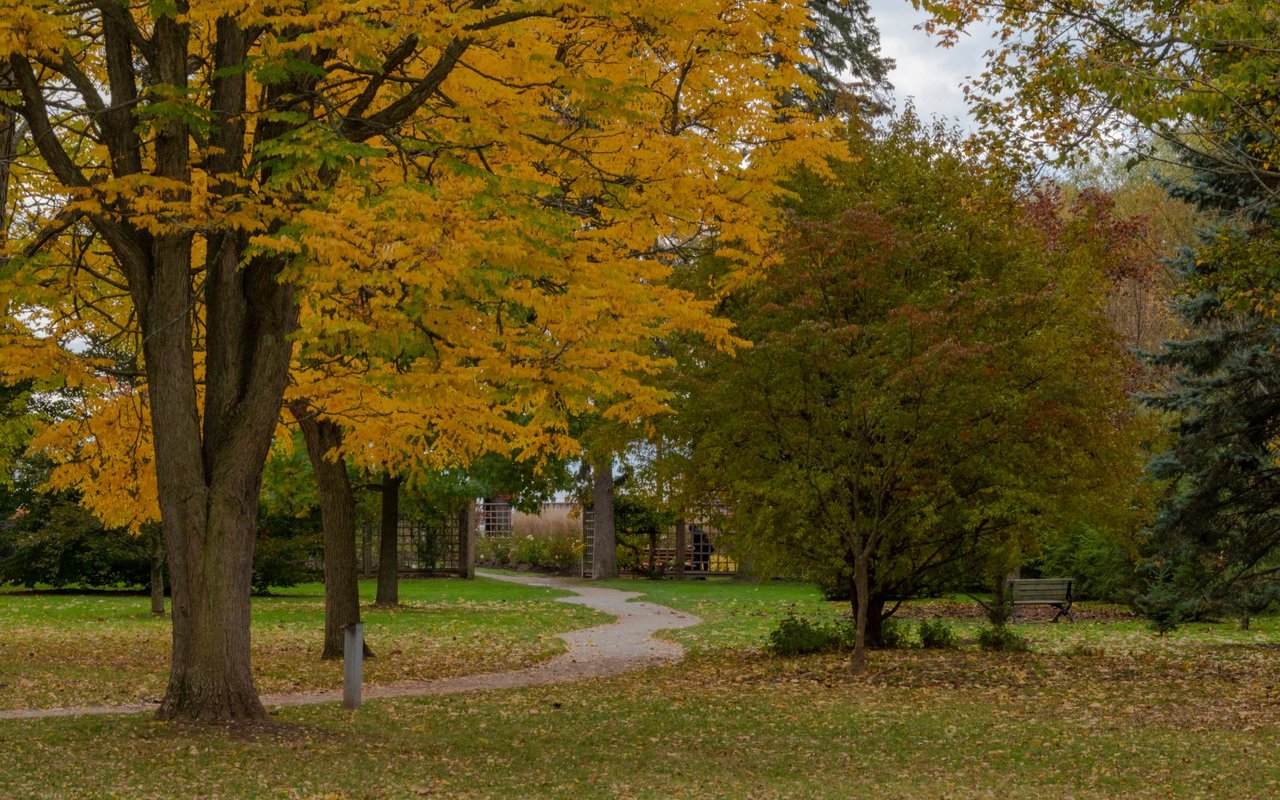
623	645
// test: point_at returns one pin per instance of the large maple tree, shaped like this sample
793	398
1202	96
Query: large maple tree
203	176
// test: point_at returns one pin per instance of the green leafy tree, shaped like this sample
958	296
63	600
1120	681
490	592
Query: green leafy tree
932	382
1067	76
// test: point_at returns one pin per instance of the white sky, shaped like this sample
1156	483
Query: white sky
933	76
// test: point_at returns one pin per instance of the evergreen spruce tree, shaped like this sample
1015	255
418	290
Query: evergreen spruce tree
844	44
1215	545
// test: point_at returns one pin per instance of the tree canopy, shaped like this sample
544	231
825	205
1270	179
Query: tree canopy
198	180
932	384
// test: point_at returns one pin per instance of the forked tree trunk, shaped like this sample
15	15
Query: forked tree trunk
208	460
389	544
210	445
605	542
338	514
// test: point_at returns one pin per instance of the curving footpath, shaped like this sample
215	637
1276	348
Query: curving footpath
623	645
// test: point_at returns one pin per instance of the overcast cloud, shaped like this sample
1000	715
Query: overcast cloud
933	76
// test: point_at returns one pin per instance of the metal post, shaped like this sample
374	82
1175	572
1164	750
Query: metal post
352	664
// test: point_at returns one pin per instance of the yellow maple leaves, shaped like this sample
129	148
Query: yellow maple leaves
470	274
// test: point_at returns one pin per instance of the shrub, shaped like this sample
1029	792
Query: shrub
833	584
796	636
893	634
530	551
285	560
1002	639
564	551
556	550
495	550
1101	562
427	547
1163	604
629	558
59	543
936	634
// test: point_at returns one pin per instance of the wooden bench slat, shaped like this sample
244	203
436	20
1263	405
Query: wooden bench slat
1054	592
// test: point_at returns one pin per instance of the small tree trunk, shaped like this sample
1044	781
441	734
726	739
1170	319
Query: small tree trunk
858	658
1001	610
467	541
606	535
389	544
157	569
875	622
338	512
682	532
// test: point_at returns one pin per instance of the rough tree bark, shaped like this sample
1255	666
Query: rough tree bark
338	515
389	544
209	475
605	543
157	569
210	450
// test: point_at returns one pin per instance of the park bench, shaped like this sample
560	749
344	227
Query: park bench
1054	592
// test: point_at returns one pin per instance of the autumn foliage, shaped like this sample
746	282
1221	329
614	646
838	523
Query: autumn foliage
456	219
933	386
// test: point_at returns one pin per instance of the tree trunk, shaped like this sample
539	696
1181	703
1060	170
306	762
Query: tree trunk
858	658
875	613
210	561
338	512
682	532
467	541
208	487
209	455
210	439
605	544
157	569
875	622
389	544
1000	612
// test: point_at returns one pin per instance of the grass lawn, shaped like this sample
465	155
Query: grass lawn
1101	709
105	648
736	615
